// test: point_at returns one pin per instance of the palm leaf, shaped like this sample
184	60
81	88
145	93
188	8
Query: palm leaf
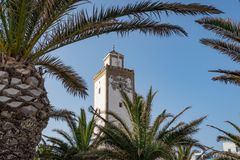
66	136
52	11
81	26
225	28
68	33
74	84
61	114
230	49
227	77
228	136
229	33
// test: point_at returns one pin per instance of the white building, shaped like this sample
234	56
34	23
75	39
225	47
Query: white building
108	82
197	155
231	147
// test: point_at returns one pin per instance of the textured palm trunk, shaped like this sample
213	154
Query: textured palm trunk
24	110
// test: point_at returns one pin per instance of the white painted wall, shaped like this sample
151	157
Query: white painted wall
107	61
229	146
117	62
114	95
114	101
100	99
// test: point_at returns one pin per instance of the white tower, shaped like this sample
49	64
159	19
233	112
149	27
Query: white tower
108	82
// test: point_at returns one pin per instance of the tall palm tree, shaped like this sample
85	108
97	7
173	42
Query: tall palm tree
228	44
144	140
228	137
74	144
31	29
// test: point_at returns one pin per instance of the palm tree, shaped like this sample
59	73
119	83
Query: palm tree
74	144
229	44
31	29
186	152
228	137
143	140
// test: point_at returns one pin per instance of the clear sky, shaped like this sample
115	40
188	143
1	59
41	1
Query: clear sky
177	67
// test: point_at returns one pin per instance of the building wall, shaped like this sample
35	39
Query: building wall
113	61
117	62
115	99
107	61
230	147
108	98
100	98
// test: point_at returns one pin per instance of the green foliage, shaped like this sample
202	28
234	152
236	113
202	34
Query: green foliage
43	151
184	152
74	144
143	140
228	44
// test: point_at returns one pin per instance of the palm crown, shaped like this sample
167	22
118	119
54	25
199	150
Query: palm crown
30	29
144	140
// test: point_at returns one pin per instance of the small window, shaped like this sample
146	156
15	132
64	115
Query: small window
229	150
99	90
120	86
238	149
120	104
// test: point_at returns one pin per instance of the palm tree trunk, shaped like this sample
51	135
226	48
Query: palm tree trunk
24	110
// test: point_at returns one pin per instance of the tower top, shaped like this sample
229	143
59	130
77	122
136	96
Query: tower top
114	58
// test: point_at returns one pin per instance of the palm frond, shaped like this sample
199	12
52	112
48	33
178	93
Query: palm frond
139	17
225	28
66	136
230	49
228	136
229	33
181	135
166	126
158	121
227	77
74	84
51	12
73	31
234	125
28	25
61	114
225	156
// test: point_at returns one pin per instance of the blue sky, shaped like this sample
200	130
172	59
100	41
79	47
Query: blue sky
177	67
